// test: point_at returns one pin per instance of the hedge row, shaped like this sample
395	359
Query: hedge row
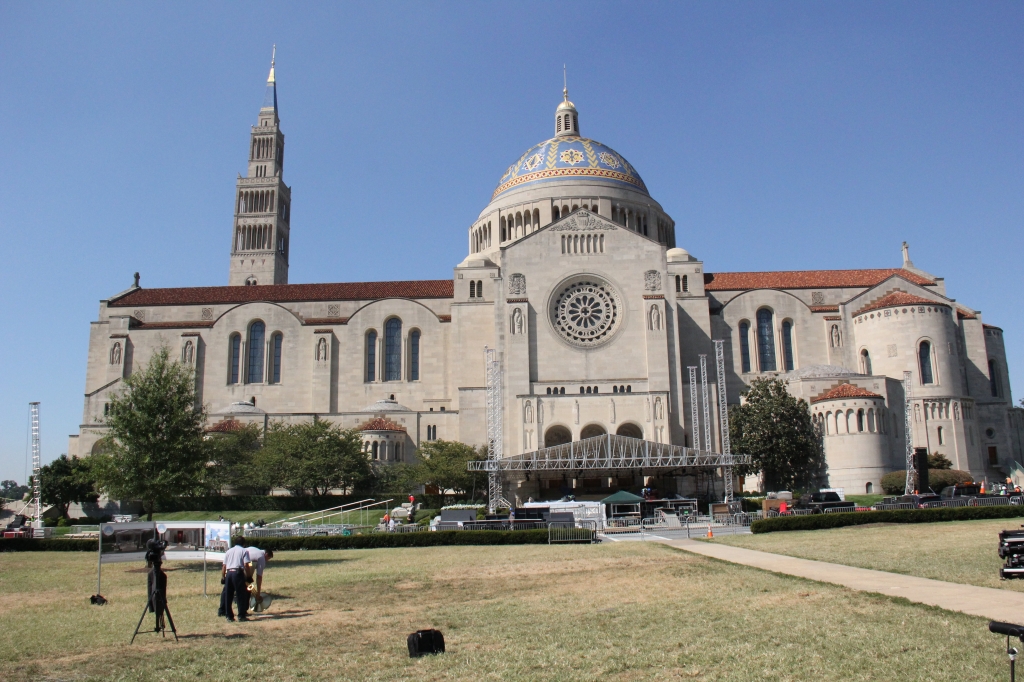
370	541
46	545
416	539
838	520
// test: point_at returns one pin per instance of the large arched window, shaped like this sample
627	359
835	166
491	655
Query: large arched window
257	334
865	362
276	342
924	354
235	357
371	355
414	355
765	340
787	344
393	350
745	345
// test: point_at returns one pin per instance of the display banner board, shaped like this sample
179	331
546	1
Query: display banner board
218	538
185	539
125	541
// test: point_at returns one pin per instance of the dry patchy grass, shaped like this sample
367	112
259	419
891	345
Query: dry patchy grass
955	551
624	611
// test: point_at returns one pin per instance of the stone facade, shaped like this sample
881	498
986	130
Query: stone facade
573	274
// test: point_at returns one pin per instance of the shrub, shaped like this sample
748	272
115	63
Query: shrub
46	545
820	521
893	483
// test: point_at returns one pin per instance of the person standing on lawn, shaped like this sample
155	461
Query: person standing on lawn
233	572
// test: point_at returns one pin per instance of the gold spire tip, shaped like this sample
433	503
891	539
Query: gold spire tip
273	58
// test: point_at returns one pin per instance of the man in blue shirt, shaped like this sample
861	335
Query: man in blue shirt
233	572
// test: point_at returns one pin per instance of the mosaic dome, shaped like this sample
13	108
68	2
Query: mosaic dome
570	157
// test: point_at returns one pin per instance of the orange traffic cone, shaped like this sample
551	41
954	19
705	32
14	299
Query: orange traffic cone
983	487
710	534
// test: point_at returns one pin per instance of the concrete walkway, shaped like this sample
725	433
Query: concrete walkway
987	602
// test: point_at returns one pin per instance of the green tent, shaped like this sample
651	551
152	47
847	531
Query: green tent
622	497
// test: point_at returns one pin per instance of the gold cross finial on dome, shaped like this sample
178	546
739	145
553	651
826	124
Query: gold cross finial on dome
273	58
565	85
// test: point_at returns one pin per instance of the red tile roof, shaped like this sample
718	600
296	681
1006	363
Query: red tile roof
226	426
805	279
844	391
277	293
897	298
178	324
824	309
380	424
965	314
325	320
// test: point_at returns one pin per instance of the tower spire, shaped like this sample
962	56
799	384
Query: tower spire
269	107
566	117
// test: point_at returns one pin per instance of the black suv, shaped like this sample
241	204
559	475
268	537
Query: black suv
819	502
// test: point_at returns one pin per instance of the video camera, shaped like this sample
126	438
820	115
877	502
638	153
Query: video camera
1011	550
155	551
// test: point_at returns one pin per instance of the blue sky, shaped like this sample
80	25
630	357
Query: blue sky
778	135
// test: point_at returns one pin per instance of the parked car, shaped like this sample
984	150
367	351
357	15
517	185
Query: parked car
819	502
961	490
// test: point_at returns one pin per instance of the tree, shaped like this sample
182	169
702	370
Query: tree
12	491
937	460
776	430
155	448
317	456
66	480
443	463
231	454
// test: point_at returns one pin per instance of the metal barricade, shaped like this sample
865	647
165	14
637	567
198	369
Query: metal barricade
579	532
882	506
990	501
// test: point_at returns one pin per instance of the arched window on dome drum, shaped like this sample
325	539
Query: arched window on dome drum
414	355
235	357
554	213
472	288
257	334
479	289
567	122
376	449
558	124
865	362
276	342
787	344
765	340
924	353
371	355
393	350
679	283
745	345
536	219
686	284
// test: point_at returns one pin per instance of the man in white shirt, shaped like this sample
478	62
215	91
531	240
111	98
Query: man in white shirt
233	572
259	559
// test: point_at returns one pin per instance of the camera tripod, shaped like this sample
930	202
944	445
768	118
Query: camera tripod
157	599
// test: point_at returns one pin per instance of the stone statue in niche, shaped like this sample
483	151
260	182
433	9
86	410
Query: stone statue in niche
647	408
659	411
611	411
956	411
188	353
655	317
115	354
321	350
540	412
528	412
835	336
652	280
517	284
576	411
517	321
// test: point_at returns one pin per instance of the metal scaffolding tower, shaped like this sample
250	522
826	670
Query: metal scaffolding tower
694	421
495	435
723	416
37	501
704	396
908	428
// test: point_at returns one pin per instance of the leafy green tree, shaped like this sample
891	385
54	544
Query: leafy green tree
443	463
776	430
937	460
66	480
316	456
12	491
232	454
155	449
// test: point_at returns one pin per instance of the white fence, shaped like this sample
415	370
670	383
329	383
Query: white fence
580	532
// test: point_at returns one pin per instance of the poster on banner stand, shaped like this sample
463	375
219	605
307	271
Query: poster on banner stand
120	542
185	539
218	539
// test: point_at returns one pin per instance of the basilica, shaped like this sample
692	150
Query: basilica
574	277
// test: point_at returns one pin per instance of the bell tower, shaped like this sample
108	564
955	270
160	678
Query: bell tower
260	238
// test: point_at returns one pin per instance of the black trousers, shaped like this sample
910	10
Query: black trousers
234	589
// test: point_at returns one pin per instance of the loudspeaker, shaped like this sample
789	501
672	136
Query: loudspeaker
921	465
423	642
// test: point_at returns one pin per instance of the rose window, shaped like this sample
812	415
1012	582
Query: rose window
585	312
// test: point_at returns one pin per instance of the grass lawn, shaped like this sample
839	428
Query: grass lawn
957	551
370	516
618	611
